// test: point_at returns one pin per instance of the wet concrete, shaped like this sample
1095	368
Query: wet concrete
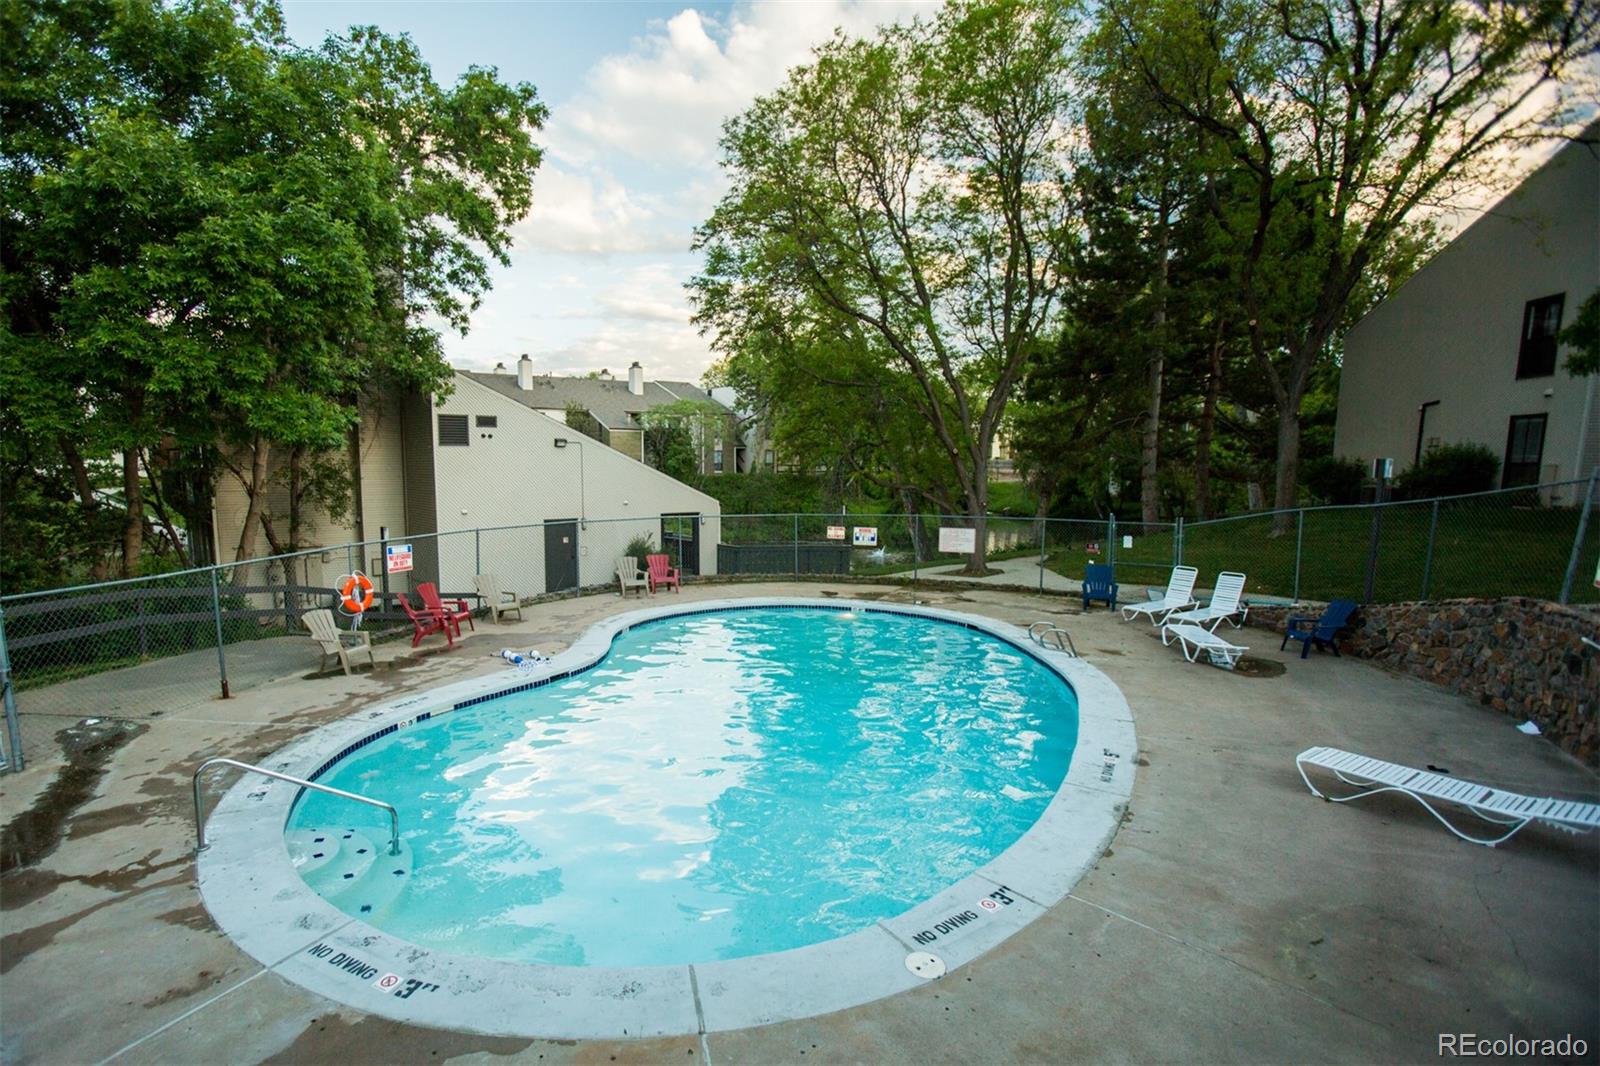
1235	918
31	834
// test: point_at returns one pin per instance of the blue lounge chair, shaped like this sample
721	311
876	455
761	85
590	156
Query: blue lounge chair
1319	631
1099	583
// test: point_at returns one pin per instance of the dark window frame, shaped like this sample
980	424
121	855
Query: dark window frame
1524	472
459	433
1536	350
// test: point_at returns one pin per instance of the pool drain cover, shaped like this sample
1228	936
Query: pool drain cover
924	965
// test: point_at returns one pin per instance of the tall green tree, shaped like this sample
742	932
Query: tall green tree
1340	120
217	242
910	186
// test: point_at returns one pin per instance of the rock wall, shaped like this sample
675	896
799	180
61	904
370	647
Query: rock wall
1520	656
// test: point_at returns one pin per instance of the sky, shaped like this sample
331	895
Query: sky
638	91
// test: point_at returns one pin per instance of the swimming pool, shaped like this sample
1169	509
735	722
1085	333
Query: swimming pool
249	881
721	784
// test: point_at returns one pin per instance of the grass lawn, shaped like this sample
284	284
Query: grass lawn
1480	549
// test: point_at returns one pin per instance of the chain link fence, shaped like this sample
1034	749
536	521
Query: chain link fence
155	645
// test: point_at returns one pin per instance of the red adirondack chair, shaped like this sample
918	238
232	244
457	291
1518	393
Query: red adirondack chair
455	612
662	572
424	622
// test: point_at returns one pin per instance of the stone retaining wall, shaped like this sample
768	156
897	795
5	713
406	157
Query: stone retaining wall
1520	656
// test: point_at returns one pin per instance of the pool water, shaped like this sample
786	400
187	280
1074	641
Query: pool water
719	785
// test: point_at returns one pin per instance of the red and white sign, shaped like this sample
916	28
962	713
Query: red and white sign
866	537
835	532
397	558
388	982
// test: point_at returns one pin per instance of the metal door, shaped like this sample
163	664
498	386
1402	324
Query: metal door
560	555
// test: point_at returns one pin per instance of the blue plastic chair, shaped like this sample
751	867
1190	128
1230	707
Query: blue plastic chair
1319	631
1099	583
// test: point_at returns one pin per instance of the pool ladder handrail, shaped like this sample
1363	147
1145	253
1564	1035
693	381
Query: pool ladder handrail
1039	630
200	825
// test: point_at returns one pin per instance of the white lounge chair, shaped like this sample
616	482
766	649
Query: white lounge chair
1194	639
494	599
335	641
629	576
1223	605
1179	594
1512	809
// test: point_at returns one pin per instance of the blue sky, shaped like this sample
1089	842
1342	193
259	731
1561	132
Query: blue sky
638	92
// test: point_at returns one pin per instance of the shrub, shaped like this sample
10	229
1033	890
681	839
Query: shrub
1335	480
640	546
1450	470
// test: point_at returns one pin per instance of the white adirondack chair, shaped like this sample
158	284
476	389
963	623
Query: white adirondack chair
494	599
334	641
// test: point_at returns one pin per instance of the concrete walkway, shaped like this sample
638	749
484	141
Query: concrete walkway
1024	572
1235	918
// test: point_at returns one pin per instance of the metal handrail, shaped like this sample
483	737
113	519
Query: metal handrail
200	825
1051	629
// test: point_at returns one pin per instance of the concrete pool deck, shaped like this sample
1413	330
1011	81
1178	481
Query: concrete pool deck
1235	917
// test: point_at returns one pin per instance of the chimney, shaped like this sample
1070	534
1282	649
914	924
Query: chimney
636	379
524	373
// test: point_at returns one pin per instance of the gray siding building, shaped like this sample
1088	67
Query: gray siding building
1465	351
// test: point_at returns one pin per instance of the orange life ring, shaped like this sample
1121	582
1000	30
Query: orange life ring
348	593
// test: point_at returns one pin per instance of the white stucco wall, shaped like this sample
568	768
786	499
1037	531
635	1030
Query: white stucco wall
1452	333
513	474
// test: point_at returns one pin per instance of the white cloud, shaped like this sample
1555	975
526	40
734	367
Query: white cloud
666	99
594	214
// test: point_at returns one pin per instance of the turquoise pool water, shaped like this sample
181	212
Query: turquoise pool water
720	785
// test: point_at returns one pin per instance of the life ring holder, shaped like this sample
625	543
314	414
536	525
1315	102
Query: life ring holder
355	594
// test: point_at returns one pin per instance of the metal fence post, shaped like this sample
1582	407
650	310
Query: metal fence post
1577	540
1044	528
1299	541
1427	560
1111	541
477	550
797	542
216	618
1372	553
13	728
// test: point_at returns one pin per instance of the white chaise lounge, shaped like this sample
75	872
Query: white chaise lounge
1193	640
1494	805
1223	605
1179	594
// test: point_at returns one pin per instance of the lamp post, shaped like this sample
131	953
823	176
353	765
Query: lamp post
583	514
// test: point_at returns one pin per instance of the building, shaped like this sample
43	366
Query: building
1465	351
619	408
462	479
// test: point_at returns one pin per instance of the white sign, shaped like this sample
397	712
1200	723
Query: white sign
1127	540
866	537
835	532
397	558
387	982
957	540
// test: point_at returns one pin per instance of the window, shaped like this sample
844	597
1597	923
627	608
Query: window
1541	321
1524	451
766	460
488	421
453	431
716	460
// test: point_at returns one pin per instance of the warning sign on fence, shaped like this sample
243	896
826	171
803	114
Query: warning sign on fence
397	558
866	537
956	540
835	532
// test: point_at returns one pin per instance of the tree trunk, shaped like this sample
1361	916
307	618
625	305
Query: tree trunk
100	569
1150	440
256	488
296	461
1208	419
357	523
1288	472
164	516
977	511
133	501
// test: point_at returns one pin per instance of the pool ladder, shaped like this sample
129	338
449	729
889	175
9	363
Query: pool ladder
1063	640
200	825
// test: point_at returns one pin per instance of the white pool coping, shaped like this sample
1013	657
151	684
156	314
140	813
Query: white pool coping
250	885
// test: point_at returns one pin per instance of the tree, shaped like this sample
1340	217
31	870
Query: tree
677	435
578	418
909	187
217	242
1338	121
1583	337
